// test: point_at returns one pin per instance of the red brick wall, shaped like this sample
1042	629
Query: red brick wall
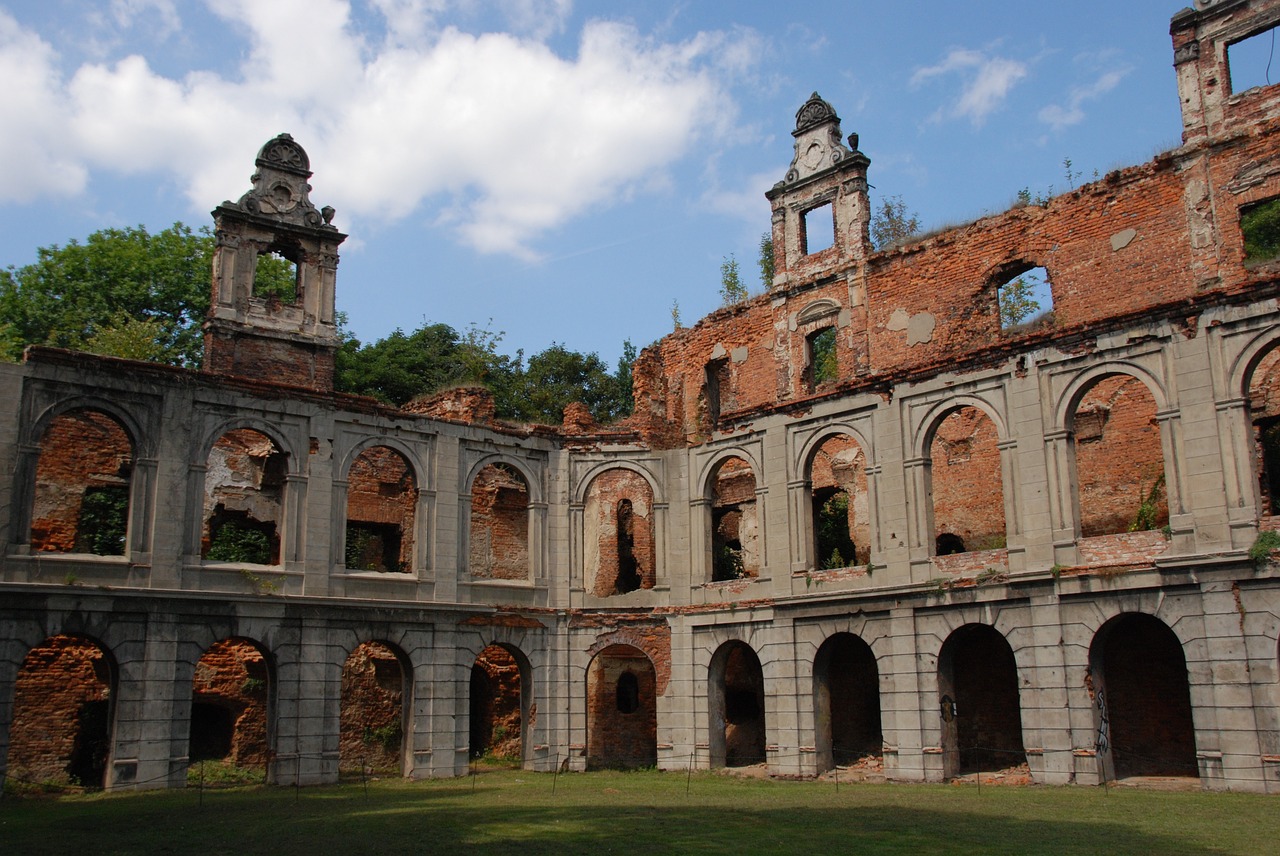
372	711
233	674
968	495
56	680
495	704
499	525
734	513
245	474
600	517
1119	460
840	463
617	738
271	360
79	450
381	489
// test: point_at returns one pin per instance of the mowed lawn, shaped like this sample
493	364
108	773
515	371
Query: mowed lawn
510	811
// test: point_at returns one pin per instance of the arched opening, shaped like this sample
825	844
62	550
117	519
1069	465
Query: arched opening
978	700
1264	416
230	713
62	714
1119	459
838	504
81	500
622	709
735	522
374	709
618	543
1025	298
1142	698
382	498
846	696
500	699
244	499
966	482
736	704
499	524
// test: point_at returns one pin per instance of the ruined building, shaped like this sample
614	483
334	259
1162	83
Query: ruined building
857	517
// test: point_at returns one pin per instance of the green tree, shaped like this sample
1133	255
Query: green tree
732	291
892	223
402	366
765	260
553	379
116	289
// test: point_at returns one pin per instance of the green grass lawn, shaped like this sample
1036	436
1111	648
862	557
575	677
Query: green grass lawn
641	813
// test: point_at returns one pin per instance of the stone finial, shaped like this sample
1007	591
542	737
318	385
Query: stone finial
818	143
280	189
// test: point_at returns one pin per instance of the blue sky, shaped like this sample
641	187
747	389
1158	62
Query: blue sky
566	169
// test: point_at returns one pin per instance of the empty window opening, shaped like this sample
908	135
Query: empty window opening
1119	459
965	480
231	685
719	393
1137	665
817	229
61	727
839	505
1260	228
1026	300
824	367
737	707
1264	412
382	499
372	713
497	705
846	687
499	524
622	713
277	276
978	702
735	526
1252	62
81	500
619	545
244	499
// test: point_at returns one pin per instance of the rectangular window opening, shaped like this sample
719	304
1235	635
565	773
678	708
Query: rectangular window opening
1026	300
276	277
1253	62
824	367
818	229
717	388
1260	227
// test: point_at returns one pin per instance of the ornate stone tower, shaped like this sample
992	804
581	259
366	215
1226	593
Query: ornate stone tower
274	267
820	210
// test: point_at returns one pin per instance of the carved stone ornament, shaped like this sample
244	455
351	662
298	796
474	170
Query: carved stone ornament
814	112
1187	53
280	190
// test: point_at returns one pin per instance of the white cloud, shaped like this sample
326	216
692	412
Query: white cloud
1059	116
160	16
495	135
987	82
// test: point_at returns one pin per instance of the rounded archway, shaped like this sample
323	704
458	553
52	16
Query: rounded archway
63	714
499	707
373	712
846	697
978	702
1142	698
231	709
736	705
622	709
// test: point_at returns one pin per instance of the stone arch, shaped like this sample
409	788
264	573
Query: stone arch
928	423
846	700
966	479
839	506
521	467
979	702
295	457
501	703
736	705
232	706
1261	393
585	480
381	512
374	710
1070	397
622	709
62	728
1117	456
734	523
619	533
83	484
244	502
1142	699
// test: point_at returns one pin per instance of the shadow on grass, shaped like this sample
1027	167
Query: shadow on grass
521	815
